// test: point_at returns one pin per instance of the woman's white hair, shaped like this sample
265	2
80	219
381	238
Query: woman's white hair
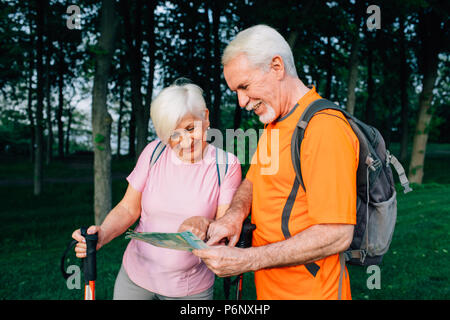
260	44
172	104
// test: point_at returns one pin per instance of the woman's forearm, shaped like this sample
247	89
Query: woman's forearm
117	222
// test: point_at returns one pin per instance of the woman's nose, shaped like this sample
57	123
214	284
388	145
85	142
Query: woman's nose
186	141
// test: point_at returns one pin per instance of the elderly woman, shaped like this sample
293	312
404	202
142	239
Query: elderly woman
180	191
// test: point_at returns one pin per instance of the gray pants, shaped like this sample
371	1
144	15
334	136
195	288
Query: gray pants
126	289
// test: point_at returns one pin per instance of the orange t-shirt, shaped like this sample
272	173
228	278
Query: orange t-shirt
329	160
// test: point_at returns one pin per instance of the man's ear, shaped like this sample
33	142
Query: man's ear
277	66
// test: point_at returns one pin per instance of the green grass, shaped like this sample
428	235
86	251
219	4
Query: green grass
416	266
80	166
36	230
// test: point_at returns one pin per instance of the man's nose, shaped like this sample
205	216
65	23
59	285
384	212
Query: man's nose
243	99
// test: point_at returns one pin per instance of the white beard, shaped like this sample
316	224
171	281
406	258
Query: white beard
269	115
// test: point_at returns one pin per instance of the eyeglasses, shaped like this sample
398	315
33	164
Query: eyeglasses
178	134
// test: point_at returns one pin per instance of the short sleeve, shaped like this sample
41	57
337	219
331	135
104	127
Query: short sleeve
232	180
138	177
251	172
254	164
329	162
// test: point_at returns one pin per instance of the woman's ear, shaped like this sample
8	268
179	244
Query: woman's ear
207	117
206	127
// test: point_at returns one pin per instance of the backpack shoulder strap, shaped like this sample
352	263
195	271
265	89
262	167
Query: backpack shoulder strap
317	106
299	132
156	153
221	164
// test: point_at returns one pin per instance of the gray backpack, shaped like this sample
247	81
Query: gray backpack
376	208
221	160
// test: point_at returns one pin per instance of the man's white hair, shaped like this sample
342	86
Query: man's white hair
172	104
260	44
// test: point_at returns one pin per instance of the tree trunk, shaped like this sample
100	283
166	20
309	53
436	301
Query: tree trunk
48	87
125	9
119	123
354	61
304	11
387	115
122	71
59	113
141	119
69	125
38	156
135	62
430	33
208	57
132	133
101	119
404	78
152	63
369	101
215	123
30	114
353	76
421	132
30	92
329	53
388	120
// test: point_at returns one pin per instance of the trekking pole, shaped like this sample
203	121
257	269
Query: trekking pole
89	263
245	241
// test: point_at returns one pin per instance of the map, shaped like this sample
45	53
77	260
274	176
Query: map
185	241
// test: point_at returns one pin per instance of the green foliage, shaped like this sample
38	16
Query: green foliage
321	34
99	138
14	132
96	50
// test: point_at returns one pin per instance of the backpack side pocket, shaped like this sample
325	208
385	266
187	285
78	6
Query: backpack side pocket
381	225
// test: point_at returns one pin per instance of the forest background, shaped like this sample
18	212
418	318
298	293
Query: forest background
77	79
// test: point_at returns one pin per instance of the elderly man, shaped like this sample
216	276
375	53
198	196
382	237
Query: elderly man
294	256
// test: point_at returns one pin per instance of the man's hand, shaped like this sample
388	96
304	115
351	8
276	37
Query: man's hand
226	261
227	227
197	225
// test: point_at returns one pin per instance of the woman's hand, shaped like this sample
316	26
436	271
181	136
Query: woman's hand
197	225
80	248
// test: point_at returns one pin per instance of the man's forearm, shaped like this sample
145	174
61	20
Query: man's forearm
312	244
242	200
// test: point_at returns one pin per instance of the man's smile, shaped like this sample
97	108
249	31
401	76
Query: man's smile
253	107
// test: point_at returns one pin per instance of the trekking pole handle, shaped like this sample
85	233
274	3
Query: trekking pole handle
245	238
90	262
245	241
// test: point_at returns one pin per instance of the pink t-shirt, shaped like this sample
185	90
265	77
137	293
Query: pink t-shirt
173	191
